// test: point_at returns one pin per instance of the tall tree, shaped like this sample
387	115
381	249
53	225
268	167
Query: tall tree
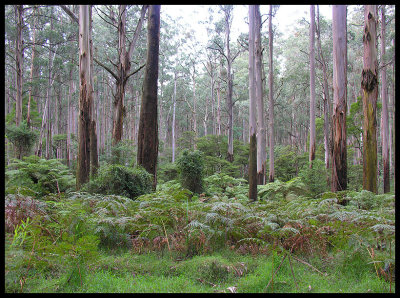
123	68
271	100
369	84
85	98
19	56
261	136
229	57
385	116
327	101
148	127
252	110
312	85
94	160
339	158
228	23
34	69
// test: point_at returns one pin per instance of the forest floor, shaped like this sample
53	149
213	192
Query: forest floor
174	241
221	272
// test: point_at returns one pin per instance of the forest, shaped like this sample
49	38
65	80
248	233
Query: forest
199	148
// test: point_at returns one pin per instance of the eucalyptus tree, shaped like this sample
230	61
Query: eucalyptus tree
33	69
261	136
339	156
85	98
148	123
326	98
312	85
253	107
225	51
369	84
19	59
271	177
123	65
385	118
211	69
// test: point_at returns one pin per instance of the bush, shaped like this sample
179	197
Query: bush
167	172
22	137
41	175
190	166
285	163
120	180
315	178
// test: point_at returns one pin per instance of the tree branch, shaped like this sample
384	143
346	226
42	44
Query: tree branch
137	31
70	13
133	72
112	24
106	68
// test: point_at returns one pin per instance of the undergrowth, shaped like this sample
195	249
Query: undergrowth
174	240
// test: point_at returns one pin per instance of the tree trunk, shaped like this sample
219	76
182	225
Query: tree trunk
327	102
271	100
218	109
173	120
148	126
312	87
19	56
393	119
123	75
339	158
369	84
252	110
94	160
229	103
85	98
194	105
385	117
261	141
33	70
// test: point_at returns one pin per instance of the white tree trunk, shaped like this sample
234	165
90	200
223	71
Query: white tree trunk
312	87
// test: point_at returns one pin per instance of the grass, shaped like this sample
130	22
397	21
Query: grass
216	272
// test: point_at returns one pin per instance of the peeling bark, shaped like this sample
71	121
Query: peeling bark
85	99
369	84
339	156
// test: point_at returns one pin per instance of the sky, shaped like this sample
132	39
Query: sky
286	16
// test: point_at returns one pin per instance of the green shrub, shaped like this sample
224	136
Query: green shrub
167	172
214	149
22	137
315	178
285	163
354	176
41	175
120	180
190	166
